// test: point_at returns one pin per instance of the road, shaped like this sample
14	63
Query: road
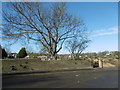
98	78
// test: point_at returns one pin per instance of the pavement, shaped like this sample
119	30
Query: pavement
85	78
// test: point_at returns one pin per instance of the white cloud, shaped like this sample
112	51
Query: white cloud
108	31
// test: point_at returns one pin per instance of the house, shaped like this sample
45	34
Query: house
12	55
108	54
68	56
60	56
42	57
27	56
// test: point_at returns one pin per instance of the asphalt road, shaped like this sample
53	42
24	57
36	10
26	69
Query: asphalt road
98	78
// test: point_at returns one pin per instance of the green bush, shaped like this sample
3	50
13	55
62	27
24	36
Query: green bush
24	66
13	67
4	53
0	51
22	53
95	64
75	62
26	62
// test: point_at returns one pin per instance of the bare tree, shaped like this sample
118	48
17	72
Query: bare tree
76	46
49	24
7	47
30	49
43	50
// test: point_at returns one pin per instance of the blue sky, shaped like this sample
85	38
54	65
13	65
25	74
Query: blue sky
101	19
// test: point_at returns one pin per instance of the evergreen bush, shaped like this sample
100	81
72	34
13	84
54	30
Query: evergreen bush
4	53
13	67
22	53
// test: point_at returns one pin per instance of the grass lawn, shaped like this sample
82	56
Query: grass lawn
30	65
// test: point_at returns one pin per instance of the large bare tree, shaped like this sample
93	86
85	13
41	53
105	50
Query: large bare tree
50	24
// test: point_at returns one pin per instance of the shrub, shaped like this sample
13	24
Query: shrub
0	51
75	62
95	64
4	53
23	66
22	53
13	67
26	62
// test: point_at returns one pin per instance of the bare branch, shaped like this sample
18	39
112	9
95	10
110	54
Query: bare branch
50	25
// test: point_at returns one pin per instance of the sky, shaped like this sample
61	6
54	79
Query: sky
101	20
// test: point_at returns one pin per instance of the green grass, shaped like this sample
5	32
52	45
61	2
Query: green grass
28	65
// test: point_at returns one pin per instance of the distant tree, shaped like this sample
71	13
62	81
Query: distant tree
93	55
30	49
76	46
43	50
7	48
102	54
22	53
4	53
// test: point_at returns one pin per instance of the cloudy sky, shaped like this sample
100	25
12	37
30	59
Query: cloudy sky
101	19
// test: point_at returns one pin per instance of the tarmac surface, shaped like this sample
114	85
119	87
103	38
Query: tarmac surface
88	78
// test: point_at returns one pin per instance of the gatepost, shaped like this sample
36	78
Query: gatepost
100	63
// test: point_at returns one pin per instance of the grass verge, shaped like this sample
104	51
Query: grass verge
33	65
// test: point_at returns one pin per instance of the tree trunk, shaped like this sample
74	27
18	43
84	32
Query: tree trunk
55	57
72	56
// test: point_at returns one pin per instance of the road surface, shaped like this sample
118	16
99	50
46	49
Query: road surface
98	78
